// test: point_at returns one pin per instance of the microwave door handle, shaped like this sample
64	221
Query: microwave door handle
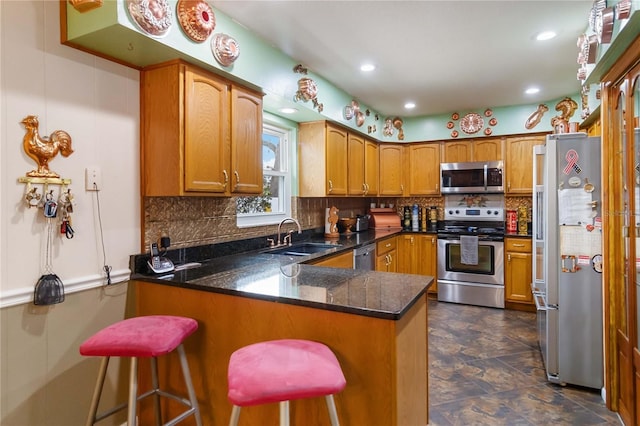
485	177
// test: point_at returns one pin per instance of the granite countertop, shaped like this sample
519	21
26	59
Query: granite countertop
286	279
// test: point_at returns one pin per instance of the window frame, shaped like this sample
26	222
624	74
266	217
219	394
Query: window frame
287	159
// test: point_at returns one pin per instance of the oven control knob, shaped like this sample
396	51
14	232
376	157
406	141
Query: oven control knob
489	212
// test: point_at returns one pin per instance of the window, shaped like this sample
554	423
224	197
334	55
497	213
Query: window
275	202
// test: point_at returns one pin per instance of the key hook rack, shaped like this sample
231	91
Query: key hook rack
43	149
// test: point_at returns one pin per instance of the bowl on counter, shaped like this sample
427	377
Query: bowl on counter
346	224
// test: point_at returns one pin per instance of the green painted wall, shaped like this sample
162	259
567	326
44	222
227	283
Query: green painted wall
263	67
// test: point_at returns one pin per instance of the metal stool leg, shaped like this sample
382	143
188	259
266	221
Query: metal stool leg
97	392
156	390
133	392
187	379
284	413
235	416
333	413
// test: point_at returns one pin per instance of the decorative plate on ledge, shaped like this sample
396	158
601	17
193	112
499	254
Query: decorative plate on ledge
196	19
471	123
151	16
225	49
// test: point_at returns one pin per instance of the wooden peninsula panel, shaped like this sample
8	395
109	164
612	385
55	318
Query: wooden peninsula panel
384	361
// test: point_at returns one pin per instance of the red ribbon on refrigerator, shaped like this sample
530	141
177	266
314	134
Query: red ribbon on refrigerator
572	162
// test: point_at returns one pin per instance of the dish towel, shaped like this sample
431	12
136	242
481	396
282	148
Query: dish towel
469	249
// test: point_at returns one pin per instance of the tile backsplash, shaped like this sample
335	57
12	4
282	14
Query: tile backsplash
195	221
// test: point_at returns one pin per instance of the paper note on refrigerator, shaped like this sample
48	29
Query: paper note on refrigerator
575	207
578	241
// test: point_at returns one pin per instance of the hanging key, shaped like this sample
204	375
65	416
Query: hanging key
50	206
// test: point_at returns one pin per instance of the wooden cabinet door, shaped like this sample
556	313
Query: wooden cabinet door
342	260
517	276
391	177
427	260
457	151
487	150
356	165
519	163
336	156
393	261
371	168
424	169
246	133
206	133
407	262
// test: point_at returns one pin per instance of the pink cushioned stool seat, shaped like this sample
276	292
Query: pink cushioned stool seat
147	336
142	337
283	370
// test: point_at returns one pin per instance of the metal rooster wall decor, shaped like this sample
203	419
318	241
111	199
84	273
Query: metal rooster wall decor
44	149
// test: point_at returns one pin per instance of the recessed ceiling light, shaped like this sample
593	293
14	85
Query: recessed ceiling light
288	110
409	105
532	91
545	35
367	67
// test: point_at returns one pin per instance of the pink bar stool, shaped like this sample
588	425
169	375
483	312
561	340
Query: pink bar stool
281	371
149	337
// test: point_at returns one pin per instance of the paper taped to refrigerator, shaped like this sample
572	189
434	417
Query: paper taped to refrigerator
578	241
574	207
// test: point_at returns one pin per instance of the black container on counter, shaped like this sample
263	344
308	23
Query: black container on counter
406	223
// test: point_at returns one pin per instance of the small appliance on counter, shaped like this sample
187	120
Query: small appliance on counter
362	223
385	218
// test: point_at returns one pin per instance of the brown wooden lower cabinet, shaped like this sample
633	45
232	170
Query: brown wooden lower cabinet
384	361
342	260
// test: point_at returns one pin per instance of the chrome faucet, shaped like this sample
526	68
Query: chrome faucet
288	236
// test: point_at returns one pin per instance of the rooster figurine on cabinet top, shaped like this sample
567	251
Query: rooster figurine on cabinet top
44	149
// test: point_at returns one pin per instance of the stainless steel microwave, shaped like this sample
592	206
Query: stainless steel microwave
472	177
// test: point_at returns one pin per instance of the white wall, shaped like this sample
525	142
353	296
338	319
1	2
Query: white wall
44	381
97	103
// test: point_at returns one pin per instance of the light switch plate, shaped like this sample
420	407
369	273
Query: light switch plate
92	178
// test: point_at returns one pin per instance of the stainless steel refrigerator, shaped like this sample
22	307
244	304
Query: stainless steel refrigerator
567	258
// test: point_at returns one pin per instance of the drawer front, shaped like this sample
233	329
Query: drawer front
385	246
521	245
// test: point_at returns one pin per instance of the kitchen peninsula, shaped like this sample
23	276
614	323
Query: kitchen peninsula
375	322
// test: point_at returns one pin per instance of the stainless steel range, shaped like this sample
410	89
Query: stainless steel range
471	253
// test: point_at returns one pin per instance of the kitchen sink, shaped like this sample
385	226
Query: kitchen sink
302	249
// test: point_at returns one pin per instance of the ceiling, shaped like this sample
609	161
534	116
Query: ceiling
442	55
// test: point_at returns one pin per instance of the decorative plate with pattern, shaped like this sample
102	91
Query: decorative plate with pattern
225	49
196	19
151	16
471	123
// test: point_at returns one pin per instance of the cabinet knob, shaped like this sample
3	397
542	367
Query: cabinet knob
330	186
518	245
235	172
388	245
508	257
364	188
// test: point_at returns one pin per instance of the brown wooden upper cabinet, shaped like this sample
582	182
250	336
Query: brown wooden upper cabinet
362	168
322	159
201	134
391	169
486	149
424	168
519	163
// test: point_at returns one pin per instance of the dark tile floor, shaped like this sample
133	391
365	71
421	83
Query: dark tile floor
485	368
